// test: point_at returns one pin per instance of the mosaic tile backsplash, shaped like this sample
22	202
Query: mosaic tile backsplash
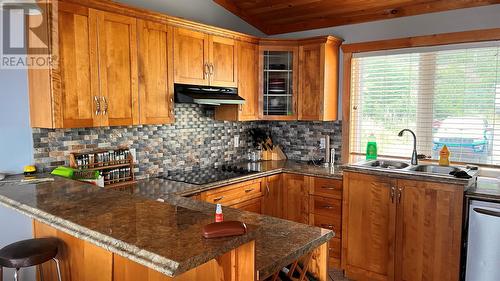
194	140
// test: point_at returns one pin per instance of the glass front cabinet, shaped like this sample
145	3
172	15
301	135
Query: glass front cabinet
278	82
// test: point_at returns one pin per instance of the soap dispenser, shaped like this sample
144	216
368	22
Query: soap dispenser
371	148
444	156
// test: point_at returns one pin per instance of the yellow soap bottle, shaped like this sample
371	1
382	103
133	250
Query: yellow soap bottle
444	156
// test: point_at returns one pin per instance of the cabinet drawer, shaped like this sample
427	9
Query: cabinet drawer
252	205
333	223
334	248
327	187
325	206
233	194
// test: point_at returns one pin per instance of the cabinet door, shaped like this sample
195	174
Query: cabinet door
312	76
223	62
272	201
248	81
429	219
252	205
296	198
155	73
118	68
368	230
78	68
190	57
278	82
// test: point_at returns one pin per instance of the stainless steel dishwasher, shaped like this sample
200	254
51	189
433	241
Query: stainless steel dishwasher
483	247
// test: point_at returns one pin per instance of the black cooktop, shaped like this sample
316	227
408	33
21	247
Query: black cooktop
202	176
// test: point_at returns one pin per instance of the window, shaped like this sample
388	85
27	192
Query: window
447	95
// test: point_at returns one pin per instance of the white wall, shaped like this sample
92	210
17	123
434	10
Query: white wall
203	11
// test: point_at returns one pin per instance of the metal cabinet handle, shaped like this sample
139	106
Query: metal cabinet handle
487	212
327	207
240	107
393	191
218	199
329	226
97	106
400	191
328	187
249	190
206	70
105	109
211	69
267	187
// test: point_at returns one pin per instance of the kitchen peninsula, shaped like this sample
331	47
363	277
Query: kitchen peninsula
111	235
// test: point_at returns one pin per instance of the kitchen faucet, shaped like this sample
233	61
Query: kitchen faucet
414	157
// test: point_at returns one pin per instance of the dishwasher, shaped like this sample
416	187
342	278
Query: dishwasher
483	245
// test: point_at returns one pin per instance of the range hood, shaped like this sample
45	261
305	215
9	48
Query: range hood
206	95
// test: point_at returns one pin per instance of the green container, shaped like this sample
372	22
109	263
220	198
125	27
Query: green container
64	172
371	148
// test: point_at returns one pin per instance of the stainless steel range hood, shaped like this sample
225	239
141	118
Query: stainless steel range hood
206	95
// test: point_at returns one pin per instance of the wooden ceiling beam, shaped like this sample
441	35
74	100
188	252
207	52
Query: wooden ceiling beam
376	14
280	16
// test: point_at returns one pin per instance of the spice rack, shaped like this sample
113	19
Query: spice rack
115	165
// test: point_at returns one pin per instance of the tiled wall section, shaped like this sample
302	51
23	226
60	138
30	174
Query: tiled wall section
195	139
301	139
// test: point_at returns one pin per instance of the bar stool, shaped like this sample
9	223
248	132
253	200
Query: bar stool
28	253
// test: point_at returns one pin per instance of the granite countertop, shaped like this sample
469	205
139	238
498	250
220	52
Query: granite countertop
485	189
157	187
163	236
412	175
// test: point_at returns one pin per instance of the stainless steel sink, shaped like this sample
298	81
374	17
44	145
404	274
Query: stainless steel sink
386	164
434	169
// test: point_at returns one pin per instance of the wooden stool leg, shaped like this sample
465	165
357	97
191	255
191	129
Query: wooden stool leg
58	267
1	273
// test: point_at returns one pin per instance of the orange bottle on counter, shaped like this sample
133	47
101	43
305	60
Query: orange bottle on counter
444	156
219	216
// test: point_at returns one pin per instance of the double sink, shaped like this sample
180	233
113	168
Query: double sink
403	166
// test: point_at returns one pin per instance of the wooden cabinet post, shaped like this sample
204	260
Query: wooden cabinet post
156	94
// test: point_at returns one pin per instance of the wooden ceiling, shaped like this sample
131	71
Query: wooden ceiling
283	16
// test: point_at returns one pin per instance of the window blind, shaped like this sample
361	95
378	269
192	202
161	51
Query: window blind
447	96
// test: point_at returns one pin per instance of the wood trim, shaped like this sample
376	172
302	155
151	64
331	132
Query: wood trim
346	106
424	41
126	10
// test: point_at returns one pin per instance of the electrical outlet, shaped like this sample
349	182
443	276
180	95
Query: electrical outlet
322	143
236	141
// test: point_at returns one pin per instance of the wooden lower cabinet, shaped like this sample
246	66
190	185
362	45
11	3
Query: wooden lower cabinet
428	236
252	205
396	229
296	198
272	201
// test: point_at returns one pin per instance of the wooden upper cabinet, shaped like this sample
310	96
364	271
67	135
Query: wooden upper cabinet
117	47
318	83
278	81
223	62
77	67
429	219
368	230
155	73
296	198
248	86
272	201
191	57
